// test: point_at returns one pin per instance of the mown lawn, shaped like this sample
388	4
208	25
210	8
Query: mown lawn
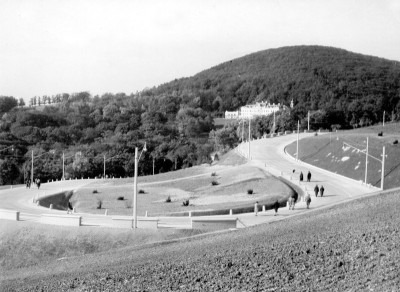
337	152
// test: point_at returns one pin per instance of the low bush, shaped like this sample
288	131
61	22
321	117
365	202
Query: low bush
214	174
250	191
141	191
395	142
95	192
99	204
214	183
380	134
185	203
168	200
120	198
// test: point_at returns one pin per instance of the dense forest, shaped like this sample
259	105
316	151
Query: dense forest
340	89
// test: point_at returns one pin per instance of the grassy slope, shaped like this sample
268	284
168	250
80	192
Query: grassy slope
330	152
233	176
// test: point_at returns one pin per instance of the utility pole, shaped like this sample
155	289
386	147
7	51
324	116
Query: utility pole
366	163
383	168
32	169
63	176
308	121
383	118
135	190
297	151
104	167
249	136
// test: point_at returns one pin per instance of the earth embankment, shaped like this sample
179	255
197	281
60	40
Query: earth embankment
349	247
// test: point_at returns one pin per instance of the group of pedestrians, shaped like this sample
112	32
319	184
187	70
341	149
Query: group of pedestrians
29	183
308	176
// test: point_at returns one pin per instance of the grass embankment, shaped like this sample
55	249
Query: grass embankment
31	244
336	152
223	185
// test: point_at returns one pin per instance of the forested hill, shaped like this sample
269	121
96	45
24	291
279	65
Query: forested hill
98	134
315	77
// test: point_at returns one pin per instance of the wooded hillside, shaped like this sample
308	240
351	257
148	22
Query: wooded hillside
340	89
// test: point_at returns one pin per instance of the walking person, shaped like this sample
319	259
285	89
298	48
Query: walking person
276	207
321	190
316	190
309	176
308	200
256	208
301	176
38	183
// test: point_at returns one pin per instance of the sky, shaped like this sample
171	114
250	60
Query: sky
49	47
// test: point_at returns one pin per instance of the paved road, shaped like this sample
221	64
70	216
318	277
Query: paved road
268	154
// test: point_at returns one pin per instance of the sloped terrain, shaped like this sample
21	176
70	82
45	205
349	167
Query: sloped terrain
349	247
344	153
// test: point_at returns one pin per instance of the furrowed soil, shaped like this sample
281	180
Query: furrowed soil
349	247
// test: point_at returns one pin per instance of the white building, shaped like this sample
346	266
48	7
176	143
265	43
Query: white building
252	110
231	115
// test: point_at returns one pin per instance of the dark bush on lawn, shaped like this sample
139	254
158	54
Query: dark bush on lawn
99	204
168	200
120	198
142	192
95	192
380	134
214	174
395	142
250	191
185	203
214	183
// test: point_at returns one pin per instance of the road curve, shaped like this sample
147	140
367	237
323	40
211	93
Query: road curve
267	154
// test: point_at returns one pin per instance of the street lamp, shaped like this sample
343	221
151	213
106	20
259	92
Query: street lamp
366	161
12	148
135	185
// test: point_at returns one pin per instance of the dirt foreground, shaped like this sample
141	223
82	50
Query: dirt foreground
349	247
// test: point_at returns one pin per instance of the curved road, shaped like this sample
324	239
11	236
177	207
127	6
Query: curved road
268	154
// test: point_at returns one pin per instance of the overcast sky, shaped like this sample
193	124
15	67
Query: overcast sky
56	46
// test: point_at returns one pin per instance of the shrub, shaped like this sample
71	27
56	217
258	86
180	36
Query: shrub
99	204
250	191
214	174
395	142
168	200
95	192
214	183
185	203
120	198
141	191
380	134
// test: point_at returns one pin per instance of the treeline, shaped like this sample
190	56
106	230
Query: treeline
92	131
338	88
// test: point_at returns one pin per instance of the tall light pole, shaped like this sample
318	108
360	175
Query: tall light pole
135	185
249	136
297	151
104	167
308	122
383	119
366	163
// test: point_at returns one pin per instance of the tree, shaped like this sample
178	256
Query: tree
9	172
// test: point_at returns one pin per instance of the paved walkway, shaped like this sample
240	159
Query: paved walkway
267	154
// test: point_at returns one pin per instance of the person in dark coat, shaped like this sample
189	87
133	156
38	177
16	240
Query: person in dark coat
301	176
38	183
309	176
276	207
316	190
321	190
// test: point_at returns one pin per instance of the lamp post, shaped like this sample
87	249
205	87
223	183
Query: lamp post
366	162
135	184
297	147
12	148
249	134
